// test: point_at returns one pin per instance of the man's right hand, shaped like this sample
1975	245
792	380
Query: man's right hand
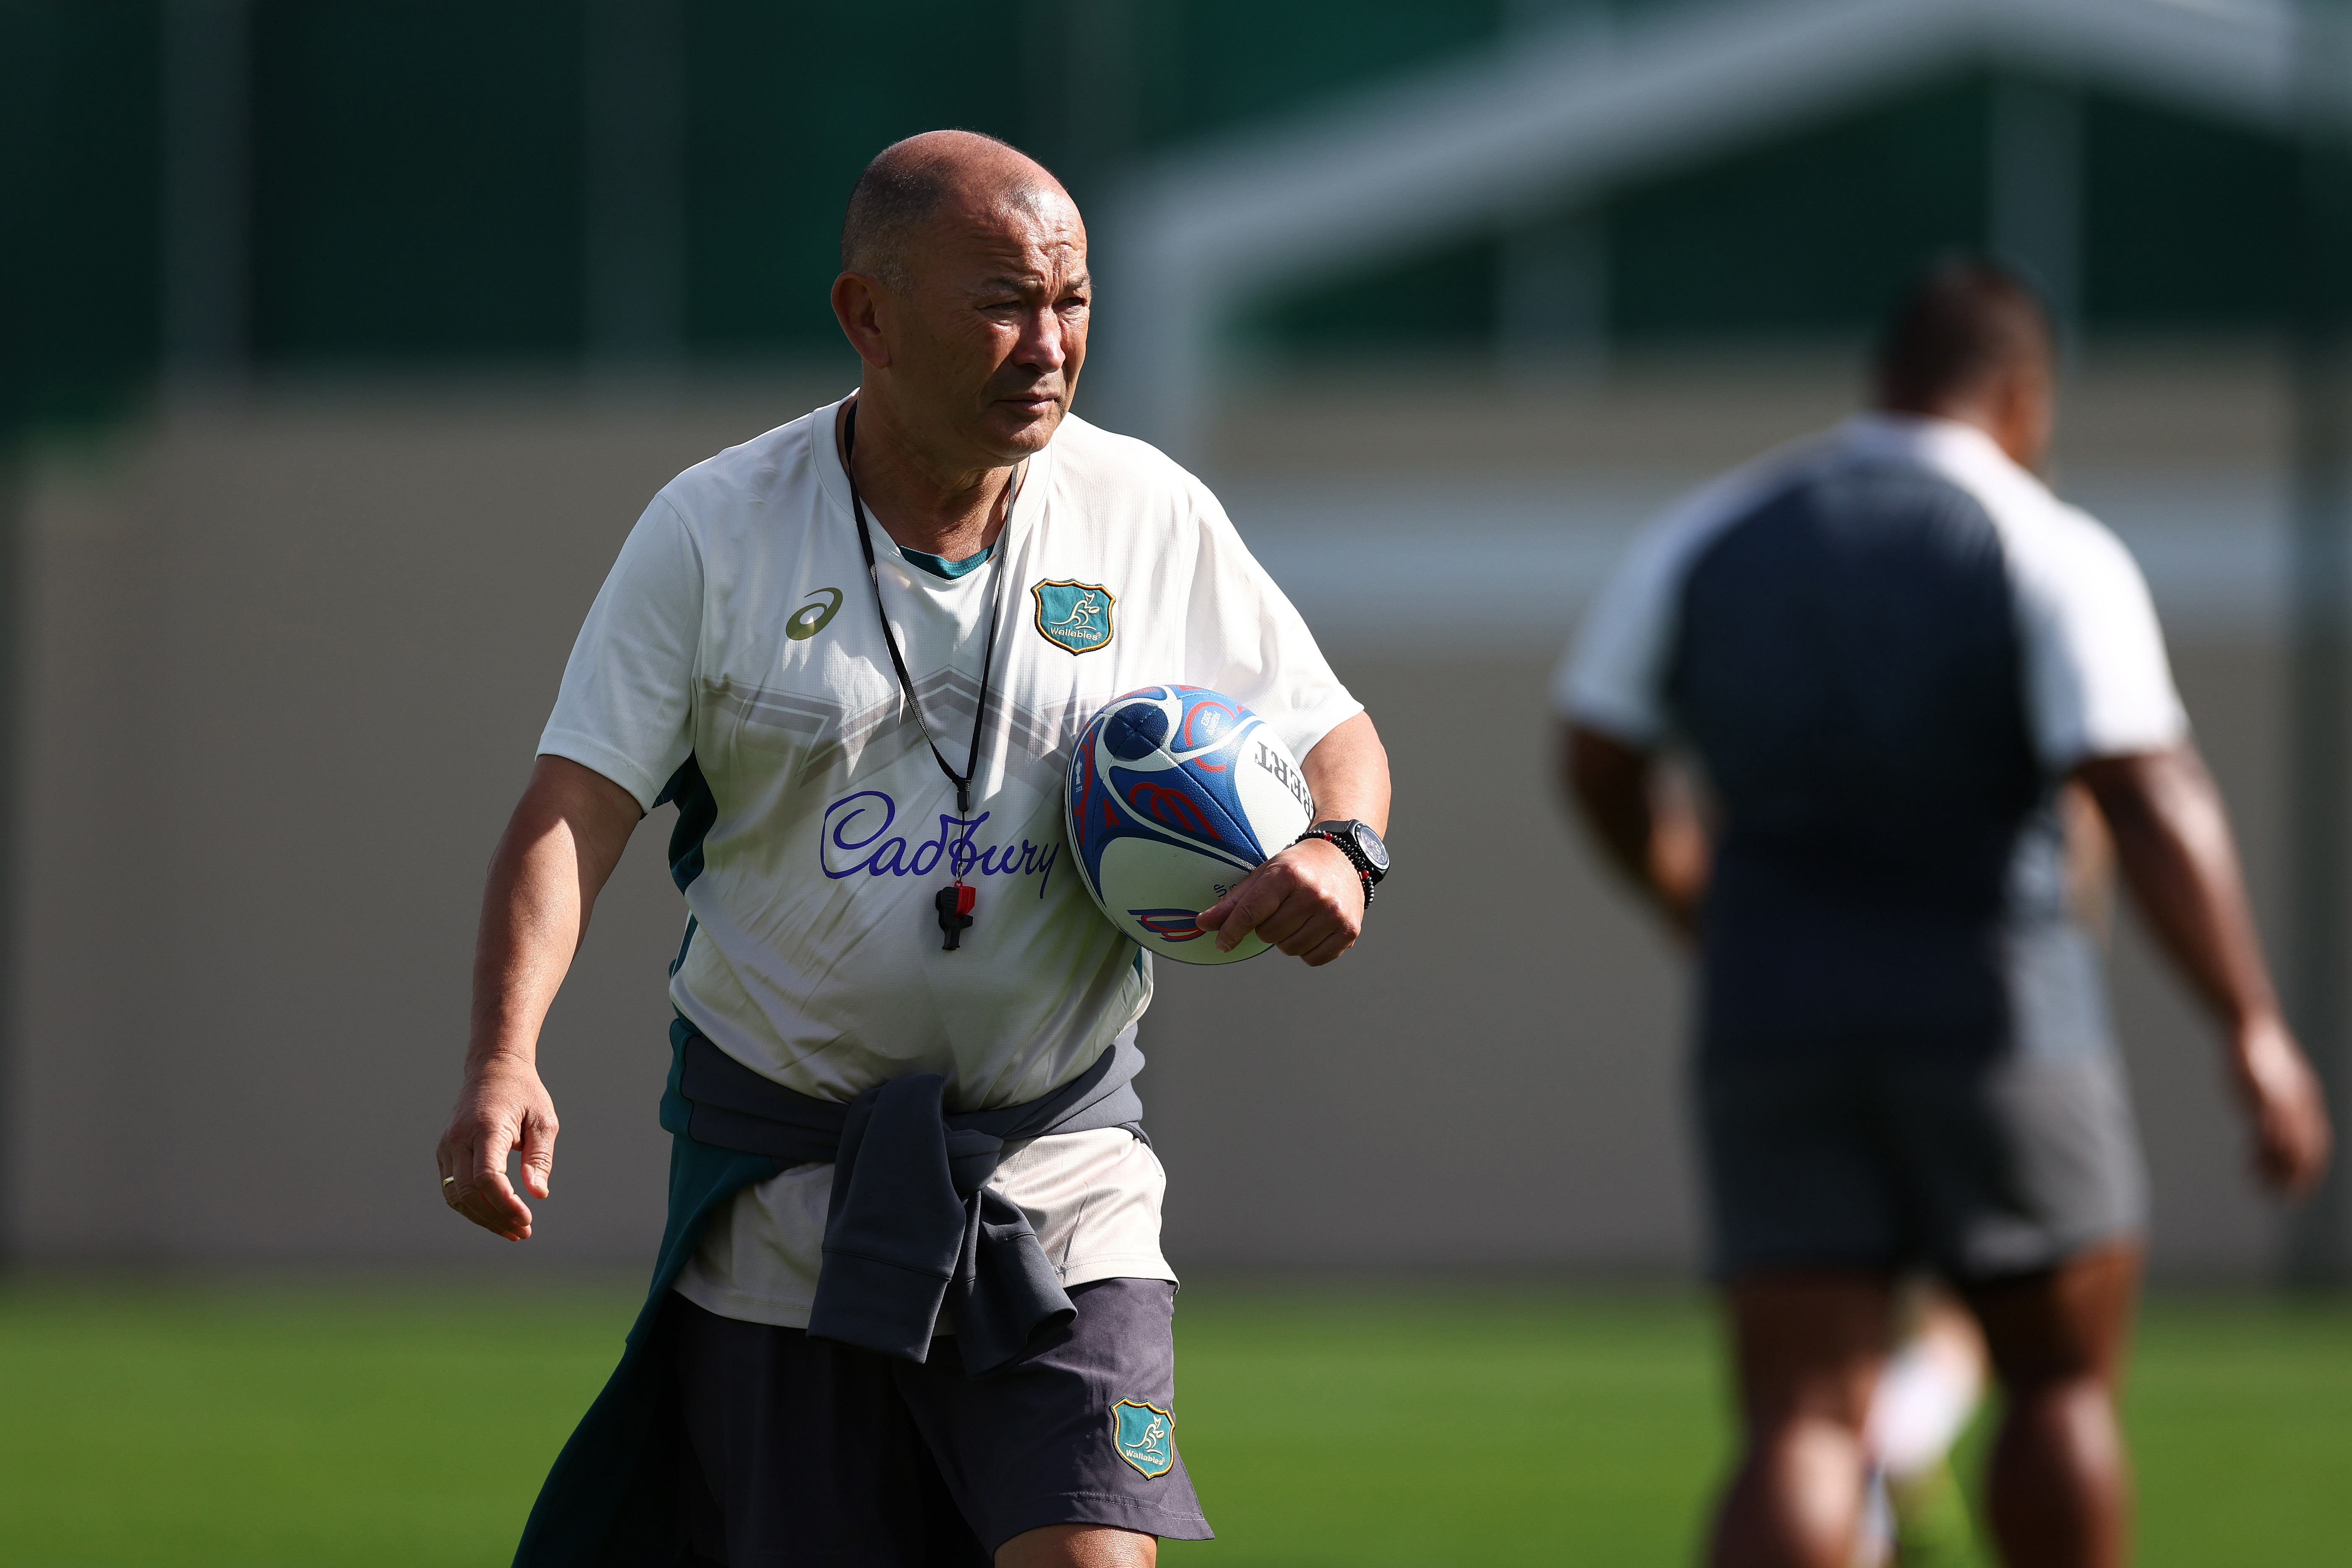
2282	1097
2173	842
566	835
502	1108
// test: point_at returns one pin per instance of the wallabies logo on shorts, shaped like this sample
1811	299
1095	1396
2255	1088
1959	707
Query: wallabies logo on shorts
1146	1435
1074	616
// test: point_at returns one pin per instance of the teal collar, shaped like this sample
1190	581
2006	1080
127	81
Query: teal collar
941	566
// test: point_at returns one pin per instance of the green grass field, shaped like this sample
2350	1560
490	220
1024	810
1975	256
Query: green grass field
311	1425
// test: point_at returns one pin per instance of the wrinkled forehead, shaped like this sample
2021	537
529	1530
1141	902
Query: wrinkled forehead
1031	231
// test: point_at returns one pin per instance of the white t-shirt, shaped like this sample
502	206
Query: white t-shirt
2097	681
738	630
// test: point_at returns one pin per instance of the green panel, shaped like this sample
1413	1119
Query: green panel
2188	223
1218	64
419	177
78	185
771	168
1811	233
1440	301
788	107
1814	233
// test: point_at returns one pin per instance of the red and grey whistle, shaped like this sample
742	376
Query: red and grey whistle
955	906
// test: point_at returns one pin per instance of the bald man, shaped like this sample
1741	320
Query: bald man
1892	652
910	1307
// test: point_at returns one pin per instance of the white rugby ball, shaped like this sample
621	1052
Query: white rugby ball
1176	792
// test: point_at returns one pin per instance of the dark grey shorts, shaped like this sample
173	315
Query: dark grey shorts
811	1452
1883	1158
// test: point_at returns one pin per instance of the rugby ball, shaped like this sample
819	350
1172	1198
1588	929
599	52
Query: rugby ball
1175	793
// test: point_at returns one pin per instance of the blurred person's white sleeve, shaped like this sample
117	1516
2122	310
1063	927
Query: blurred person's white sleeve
1613	676
2097	682
1244	638
624	706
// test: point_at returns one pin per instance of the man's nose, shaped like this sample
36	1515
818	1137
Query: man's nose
1041	344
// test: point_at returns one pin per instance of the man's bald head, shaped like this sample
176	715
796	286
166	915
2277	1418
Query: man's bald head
964	289
910	182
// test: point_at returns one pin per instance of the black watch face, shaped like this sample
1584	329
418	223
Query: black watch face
1374	851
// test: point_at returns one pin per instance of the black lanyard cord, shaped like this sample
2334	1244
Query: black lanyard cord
962	782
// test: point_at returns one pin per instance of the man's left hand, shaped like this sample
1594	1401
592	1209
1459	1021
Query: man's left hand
1308	901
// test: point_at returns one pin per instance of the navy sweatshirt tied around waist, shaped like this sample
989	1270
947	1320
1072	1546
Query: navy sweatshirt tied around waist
913	1232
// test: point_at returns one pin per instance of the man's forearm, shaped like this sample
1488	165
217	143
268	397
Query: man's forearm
1347	772
1608	784
2173	841
559	849
1661	848
533	916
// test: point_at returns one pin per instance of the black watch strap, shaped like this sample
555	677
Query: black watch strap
1352	850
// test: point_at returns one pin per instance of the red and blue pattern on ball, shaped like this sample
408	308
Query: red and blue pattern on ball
1195	803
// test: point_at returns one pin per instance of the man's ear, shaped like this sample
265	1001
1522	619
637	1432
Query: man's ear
2023	407
860	305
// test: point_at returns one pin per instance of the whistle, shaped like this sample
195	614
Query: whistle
955	906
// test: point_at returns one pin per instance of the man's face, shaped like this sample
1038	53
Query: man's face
989	337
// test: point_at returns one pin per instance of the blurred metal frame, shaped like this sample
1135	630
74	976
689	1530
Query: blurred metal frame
207	189
633	267
2035	193
2319	774
15	911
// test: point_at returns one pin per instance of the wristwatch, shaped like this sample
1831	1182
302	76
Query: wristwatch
1359	844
